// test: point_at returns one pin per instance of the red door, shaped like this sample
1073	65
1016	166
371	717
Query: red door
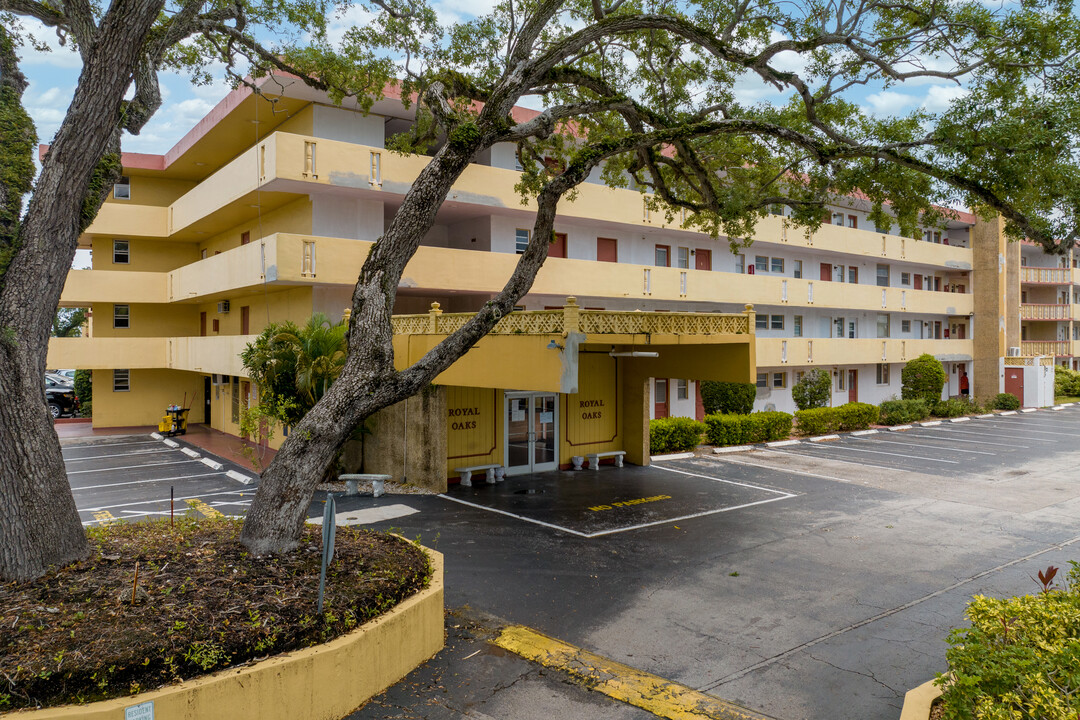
853	386
1014	382
918	282
660	409
202	324
557	248
607	249
826	271
702	259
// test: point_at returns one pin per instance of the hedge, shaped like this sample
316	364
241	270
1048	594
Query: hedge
955	407
728	397
1019	659
901	412
756	427
674	434
821	421
1066	381
1005	401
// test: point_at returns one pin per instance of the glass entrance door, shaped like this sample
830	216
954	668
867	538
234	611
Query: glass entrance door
531	434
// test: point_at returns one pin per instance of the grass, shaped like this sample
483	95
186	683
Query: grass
1066	399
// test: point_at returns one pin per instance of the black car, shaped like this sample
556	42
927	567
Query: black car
60	397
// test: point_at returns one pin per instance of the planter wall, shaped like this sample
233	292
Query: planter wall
917	702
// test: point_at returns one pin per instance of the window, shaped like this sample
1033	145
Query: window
799	375
779	380
853	221
853	329
883	275
933	236
776	322
838	218
838	327
763	380
121	316
663	256
777	265
120	252
796	267
796	326
682	390
121	380
122	189
521	239
661	391
852	274
840	376
883	325
684	258
883	374
740	263
761	322
905	278
905	326
235	388
761	263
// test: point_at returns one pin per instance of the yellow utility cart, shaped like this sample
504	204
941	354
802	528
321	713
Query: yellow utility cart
174	421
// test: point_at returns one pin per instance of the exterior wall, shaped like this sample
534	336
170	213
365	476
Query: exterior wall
335	123
151	392
990	295
344	217
474	427
144	255
589	419
147	321
408	441
295	217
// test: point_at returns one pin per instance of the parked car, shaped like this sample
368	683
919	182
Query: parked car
60	397
69	374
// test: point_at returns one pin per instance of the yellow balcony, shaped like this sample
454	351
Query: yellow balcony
217	354
1058	348
1036	311
1046	276
127	219
113	286
777	352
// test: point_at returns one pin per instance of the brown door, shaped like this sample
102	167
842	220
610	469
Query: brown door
245	320
918	282
245	237
607	249
663	255
202	324
853	274
660	401
853	386
1014	382
558	246
826	271
702	259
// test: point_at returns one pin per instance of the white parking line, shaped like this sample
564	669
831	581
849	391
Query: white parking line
729	482
686	517
881	452
932	447
99	446
1006	436
786	470
510	514
1015	425
131	467
141	482
977	442
165	500
862	463
106	457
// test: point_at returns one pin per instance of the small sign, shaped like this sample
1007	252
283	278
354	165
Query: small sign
547	417
142	711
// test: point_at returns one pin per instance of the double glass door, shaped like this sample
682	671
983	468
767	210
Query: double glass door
530	436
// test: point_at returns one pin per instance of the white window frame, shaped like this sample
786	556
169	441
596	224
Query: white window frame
761	321
682	390
778	380
796	268
797	326
888	325
520	233
882	373
124	194
119	317
763	380
121	248
776	322
121	380
682	255
774	262
761	263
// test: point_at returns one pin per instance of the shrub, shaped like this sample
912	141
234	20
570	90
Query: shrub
728	397
1066	381
1005	401
1019	657
821	421
901	412
813	390
923	377
756	427
674	434
955	407
84	390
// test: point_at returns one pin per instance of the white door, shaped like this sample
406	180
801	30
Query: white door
530	438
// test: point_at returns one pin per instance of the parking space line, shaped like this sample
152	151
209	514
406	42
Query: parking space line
131	467
1004	435
510	514
1013	427
775	469
933	447
128	454
729	482
163	500
882	452
704	513
98	446
832	459
967	432
143	482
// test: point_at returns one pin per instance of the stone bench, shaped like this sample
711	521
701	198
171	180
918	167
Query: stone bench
594	458
491	470
353	480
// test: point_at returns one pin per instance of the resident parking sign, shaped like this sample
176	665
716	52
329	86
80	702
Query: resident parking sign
142	711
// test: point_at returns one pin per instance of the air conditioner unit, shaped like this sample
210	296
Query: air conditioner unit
215	379
223	306
1014	352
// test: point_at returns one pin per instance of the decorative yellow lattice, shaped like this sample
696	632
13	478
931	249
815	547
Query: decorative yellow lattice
603	322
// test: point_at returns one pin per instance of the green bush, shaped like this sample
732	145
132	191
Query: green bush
84	390
1066	382
1005	401
1019	660
674	434
813	390
901	412
955	407
759	427
923	377
728	397
851	416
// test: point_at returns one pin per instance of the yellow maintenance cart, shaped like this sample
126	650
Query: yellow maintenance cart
174	421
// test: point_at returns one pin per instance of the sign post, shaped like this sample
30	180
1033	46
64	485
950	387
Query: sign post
329	518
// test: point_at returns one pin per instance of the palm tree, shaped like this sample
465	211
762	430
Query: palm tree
319	348
68	322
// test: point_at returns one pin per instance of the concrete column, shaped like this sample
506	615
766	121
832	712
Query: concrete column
635	419
410	438
995	280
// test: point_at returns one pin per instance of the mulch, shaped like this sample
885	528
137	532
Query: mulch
201	604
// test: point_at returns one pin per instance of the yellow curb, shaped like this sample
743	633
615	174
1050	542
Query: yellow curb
652	693
918	702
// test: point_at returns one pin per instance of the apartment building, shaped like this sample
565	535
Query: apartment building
261	215
1050	305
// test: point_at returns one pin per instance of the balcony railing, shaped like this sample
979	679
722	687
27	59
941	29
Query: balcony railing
571	318
1054	276
1036	311
1057	348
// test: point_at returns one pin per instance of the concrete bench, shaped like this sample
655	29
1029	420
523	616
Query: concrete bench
491	471
353	480
594	458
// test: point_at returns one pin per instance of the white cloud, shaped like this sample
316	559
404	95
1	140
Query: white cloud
939	97
56	57
888	102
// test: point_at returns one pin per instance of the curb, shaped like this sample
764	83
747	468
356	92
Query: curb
671	456
732	449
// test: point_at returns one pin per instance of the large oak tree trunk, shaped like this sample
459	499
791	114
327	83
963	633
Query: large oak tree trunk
39	524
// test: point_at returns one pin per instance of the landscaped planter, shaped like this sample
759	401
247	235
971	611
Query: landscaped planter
323	682
917	702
